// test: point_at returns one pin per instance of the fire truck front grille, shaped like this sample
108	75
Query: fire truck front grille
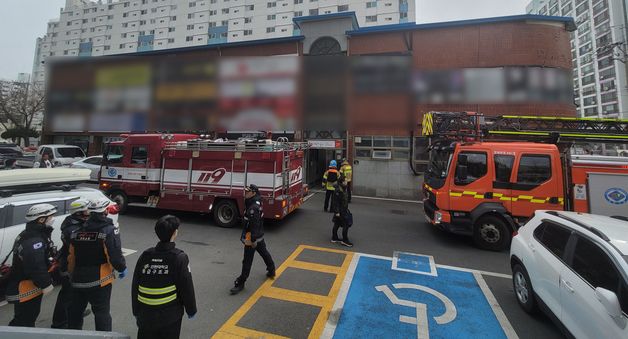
429	207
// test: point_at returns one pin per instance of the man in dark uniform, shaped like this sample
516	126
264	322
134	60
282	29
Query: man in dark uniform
73	222
341	211
162	285
253	238
33	254
95	251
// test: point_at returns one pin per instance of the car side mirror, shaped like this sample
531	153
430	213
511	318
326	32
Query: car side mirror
610	302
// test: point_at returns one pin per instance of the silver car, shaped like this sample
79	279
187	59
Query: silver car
92	164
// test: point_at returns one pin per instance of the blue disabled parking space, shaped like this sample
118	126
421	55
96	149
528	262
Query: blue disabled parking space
384	301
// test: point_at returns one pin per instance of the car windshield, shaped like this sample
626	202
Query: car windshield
70	152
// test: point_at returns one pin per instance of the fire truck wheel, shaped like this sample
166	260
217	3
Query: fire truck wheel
121	199
491	233
226	213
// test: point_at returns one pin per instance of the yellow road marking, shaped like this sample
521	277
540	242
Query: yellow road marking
230	328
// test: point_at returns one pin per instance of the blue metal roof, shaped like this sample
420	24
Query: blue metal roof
298	20
567	21
215	46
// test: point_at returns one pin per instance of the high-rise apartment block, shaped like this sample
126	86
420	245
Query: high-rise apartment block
598	49
90	28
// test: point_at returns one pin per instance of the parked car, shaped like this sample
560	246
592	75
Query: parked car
19	190
574	267
8	155
60	155
90	163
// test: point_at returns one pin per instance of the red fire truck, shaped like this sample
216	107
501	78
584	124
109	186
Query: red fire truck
188	173
487	177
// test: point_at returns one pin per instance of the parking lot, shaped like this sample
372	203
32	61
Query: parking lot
403	278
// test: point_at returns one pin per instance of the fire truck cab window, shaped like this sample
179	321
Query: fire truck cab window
503	167
534	169
475	167
115	155
139	154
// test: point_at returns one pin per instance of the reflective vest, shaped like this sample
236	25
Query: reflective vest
347	171
156	287
88	250
330	178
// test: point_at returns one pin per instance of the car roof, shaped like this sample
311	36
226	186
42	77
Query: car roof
615	229
43	196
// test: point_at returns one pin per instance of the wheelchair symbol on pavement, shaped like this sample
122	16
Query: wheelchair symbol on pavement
421	320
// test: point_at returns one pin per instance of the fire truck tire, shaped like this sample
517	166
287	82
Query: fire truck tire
490	232
121	199
226	213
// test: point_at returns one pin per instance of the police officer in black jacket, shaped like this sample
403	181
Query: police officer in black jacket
162	285
73	222
253	238
95	251
33	254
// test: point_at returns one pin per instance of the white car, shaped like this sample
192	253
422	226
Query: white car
19	190
574	267
92	164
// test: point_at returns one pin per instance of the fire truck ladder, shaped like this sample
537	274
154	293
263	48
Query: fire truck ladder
535	128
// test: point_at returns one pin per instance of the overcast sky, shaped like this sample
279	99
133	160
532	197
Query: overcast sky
22	21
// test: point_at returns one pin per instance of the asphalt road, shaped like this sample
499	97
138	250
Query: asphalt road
380	228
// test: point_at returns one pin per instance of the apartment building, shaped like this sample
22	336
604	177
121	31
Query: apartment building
104	27
598	53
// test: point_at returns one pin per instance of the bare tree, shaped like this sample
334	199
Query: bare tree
20	102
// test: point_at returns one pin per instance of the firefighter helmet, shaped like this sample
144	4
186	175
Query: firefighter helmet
79	205
332	163
40	211
99	205
252	188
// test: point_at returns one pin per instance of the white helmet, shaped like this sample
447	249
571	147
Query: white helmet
99	205
79	205
40	211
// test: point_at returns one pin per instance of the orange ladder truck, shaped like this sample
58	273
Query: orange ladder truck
488	175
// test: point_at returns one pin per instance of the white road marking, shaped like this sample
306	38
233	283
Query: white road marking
499	313
395	261
387	199
126	251
330	327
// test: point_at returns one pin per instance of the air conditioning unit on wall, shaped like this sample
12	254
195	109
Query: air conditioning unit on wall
382	155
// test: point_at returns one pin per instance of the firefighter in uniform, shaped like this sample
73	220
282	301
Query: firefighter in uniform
253	238
95	251
73	222
330	177
162	285
33	254
347	172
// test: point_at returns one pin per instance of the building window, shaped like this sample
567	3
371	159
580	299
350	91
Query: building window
271	17
171	29
171	40
248	32
225	11
121	46
314	11
192	4
270	29
343	8
189	38
371	4
371	18
271	4
213	12
298	13
296	2
106	48
190	27
191	16
247	20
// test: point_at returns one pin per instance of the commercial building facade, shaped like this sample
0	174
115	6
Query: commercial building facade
598	50
364	100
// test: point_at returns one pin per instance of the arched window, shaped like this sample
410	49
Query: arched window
325	46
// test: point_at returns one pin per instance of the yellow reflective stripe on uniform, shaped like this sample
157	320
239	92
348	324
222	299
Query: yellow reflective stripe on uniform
156	291
156	301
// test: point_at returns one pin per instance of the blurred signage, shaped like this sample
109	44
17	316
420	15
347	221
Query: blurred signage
327	144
